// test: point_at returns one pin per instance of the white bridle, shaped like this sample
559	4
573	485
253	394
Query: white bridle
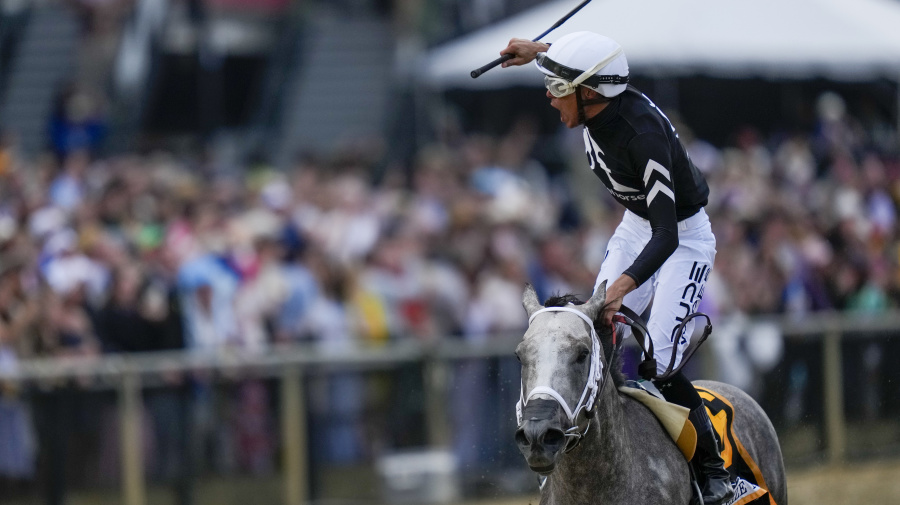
591	388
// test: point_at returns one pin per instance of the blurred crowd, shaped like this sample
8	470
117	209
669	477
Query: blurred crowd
808	222
149	252
162	251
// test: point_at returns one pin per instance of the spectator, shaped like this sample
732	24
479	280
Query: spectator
78	122
19	329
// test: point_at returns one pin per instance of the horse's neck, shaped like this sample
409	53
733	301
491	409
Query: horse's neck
605	455
625	447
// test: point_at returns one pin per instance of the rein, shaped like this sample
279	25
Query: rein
647	367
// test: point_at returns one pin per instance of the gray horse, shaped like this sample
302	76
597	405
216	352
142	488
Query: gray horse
596	445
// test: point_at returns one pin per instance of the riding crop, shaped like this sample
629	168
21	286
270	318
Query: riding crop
506	57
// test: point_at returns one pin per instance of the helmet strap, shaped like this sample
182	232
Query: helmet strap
581	102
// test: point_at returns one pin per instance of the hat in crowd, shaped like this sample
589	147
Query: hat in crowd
577	52
60	242
46	221
8	227
277	194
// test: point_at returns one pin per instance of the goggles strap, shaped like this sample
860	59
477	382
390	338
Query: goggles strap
576	76
596	68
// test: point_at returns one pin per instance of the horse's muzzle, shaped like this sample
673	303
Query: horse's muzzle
540	437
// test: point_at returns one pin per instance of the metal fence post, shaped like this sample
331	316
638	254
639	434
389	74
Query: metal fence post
437	374
835	425
134	491
293	433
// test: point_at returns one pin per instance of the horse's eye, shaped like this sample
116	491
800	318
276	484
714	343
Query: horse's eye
582	356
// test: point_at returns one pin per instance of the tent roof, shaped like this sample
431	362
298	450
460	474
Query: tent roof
840	39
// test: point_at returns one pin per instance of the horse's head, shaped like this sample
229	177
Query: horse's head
562	361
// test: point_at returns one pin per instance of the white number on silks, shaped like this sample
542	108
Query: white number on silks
593	153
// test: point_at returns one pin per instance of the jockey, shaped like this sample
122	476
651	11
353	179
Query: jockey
664	247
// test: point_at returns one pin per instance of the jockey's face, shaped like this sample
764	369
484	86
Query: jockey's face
567	107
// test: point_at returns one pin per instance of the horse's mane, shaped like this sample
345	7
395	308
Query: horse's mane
614	358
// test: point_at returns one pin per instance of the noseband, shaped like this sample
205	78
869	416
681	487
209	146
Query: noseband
579	418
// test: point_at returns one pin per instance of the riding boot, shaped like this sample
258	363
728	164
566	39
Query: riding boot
716	481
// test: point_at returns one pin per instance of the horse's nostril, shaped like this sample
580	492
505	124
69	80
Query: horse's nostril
521	438
554	438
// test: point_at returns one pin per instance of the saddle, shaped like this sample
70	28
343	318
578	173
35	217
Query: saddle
746	479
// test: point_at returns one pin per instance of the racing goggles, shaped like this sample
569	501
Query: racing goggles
570	78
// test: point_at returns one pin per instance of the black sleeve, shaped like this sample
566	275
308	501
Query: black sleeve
651	159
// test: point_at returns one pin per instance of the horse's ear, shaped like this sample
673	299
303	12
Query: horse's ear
530	300
592	307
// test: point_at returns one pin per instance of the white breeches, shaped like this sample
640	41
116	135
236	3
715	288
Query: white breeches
675	289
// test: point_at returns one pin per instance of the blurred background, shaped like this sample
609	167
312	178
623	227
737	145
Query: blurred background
273	251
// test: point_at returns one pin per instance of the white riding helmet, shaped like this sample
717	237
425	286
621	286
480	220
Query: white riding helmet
579	53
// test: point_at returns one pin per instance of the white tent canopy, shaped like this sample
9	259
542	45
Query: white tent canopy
839	39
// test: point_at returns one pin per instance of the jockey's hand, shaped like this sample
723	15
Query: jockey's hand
523	50
614	296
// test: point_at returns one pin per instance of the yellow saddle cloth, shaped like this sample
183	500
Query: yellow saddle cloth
746	479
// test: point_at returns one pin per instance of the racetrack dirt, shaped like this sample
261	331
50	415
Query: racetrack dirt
852	484
867	483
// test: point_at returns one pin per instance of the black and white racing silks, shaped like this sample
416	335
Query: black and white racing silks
634	149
